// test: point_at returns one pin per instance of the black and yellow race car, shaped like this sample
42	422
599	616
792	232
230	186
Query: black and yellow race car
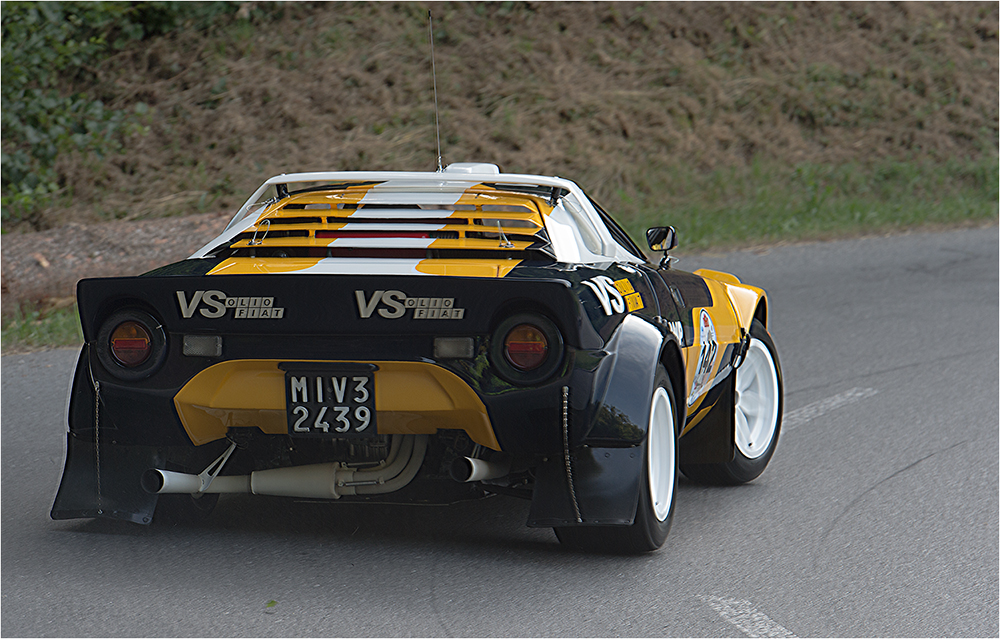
422	337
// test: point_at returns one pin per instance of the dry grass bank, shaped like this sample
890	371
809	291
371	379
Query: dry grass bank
609	94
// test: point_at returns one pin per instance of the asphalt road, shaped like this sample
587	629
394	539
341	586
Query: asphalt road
877	517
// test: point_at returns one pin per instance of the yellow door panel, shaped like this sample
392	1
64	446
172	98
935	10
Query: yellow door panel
715	327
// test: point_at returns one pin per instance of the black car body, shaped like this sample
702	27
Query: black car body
423	337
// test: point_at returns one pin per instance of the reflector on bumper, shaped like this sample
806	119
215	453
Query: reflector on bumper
203	345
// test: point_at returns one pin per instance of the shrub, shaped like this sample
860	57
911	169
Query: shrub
50	47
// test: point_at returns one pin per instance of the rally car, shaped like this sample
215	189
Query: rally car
422	337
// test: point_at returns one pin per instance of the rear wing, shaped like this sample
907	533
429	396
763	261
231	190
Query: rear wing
454	179
572	228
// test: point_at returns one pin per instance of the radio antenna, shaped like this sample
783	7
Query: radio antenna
437	118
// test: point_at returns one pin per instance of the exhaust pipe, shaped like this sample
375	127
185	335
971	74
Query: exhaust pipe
155	480
312	481
466	469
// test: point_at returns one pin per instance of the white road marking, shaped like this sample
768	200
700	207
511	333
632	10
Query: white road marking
740	612
796	418
744	616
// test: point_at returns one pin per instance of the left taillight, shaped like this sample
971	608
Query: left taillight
131	344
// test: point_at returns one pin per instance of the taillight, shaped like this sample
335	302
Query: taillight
525	347
131	344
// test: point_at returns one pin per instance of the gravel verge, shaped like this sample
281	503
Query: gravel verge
43	268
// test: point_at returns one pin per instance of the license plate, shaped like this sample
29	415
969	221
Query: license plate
330	402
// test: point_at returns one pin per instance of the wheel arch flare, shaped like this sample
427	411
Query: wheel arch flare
748	302
596	478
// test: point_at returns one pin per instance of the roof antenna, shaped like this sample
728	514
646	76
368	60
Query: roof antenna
437	118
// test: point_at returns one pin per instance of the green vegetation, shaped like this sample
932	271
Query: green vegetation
147	109
30	328
766	203
49	45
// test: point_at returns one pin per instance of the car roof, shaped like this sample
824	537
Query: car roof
575	230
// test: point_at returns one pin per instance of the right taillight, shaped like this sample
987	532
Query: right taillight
525	347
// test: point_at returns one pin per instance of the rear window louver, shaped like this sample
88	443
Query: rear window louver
507	226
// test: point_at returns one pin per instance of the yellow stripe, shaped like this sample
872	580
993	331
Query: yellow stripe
286	265
439	243
468	268
263	265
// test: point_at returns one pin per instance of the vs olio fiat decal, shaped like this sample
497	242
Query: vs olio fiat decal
614	295
215	304
394	304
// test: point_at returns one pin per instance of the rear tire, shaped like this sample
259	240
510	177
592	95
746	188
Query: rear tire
657	488
757	407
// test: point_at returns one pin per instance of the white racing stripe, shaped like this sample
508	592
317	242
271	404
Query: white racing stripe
744	616
415	192
391	226
382	242
397	214
363	266
796	418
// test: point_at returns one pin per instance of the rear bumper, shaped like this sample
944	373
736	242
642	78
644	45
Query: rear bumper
411	398
144	426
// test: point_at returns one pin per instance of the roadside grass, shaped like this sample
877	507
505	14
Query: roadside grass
724	209
762	204
31	328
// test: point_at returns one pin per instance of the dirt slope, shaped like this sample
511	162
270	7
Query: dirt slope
604	93
592	91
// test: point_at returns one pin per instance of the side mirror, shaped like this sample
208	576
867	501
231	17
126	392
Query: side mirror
662	238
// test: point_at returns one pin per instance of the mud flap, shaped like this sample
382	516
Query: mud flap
120	495
712	440
600	483
602	488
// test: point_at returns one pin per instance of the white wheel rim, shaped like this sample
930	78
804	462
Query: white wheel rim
756	402
661	460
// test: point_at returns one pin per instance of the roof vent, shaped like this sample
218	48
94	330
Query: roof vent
477	168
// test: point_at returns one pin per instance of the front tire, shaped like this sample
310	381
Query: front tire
757	406
657	490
